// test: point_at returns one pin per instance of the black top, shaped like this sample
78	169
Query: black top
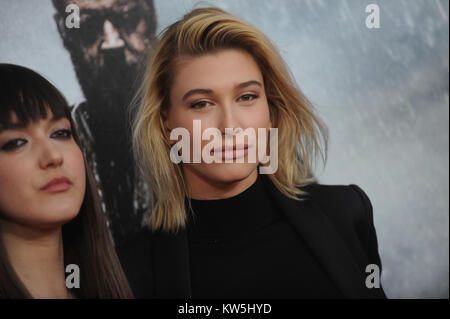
334	223
243	247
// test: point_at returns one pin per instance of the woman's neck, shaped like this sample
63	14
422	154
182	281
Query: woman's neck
205	189
37	257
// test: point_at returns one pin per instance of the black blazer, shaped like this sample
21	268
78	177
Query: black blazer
336	221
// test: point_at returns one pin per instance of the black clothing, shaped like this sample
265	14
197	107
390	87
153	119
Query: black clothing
242	247
334	224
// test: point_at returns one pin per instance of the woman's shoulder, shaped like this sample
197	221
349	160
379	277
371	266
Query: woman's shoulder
350	210
347	206
350	200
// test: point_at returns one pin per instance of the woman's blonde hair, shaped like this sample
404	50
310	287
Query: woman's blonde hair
199	32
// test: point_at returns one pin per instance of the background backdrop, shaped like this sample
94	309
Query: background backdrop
383	94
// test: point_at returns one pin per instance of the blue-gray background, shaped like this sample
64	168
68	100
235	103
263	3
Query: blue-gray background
383	94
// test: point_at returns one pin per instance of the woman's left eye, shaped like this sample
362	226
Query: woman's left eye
13	144
248	97
64	134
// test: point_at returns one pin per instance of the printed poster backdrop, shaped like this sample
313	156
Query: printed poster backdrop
383	93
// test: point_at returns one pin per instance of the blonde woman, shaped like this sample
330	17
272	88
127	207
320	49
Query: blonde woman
228	230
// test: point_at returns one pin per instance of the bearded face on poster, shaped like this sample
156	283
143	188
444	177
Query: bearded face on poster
107	52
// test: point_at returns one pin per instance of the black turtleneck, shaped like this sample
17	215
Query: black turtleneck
243	247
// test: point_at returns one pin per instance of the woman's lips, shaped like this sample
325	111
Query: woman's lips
225	148
231	152
59	184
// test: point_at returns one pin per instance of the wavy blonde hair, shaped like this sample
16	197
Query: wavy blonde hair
202	31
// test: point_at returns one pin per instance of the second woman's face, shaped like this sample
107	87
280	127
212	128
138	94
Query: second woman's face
224	89
42	174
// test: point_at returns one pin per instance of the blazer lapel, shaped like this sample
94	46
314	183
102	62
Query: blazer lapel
329	248
171	251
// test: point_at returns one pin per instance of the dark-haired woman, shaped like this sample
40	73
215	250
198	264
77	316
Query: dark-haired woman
50	216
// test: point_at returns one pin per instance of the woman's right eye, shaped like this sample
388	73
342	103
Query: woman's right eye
200	105
13	144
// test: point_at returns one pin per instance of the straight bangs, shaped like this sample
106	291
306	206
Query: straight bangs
87	240
28	96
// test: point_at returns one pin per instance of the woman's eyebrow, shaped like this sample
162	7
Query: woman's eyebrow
248	83
54	119
209	91
196	91
20	125
12	126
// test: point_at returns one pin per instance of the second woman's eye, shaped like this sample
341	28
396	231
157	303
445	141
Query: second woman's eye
248	97
199	105
64	134
13	144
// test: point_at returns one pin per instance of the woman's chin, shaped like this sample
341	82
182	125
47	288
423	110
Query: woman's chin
230	172
53	220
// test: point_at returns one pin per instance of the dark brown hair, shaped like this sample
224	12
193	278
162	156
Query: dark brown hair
87	240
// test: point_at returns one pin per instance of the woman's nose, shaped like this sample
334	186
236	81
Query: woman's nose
228	119
50	156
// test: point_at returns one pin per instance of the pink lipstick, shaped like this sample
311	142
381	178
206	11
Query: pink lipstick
59	184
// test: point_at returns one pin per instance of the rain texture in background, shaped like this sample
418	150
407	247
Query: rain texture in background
383	93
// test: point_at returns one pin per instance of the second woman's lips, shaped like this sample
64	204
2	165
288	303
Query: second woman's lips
230	152
58	184
231	148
